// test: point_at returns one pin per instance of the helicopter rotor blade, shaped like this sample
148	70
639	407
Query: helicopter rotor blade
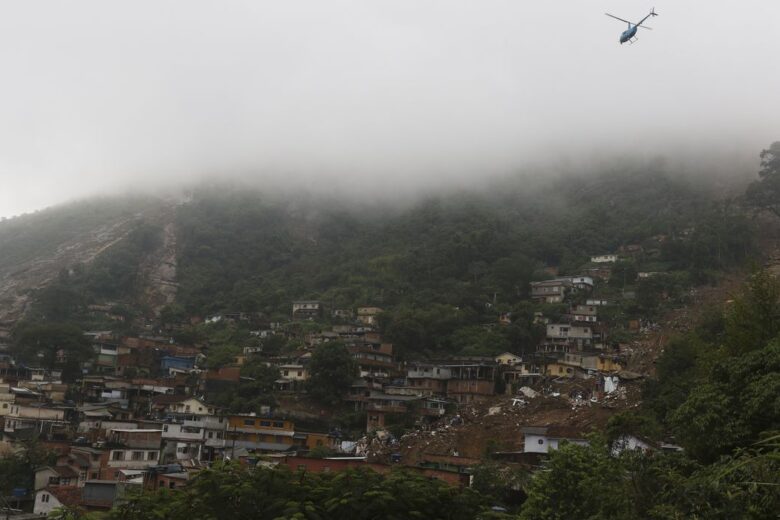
616	18
645	27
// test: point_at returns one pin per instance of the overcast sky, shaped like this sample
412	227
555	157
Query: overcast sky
99	95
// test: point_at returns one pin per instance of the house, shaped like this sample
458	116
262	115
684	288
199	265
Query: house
291	377
61	476
596	302
374	358
294	372
584	313
472	379
6	399
368	315
262	434
42	418
179	405
200	438
177	363
542	439
560	369
631	443
52	497
593	361
508	359
579	282
306	310
550	291
101	495
604	259
85	461
563	336
428	379
342	314
132	449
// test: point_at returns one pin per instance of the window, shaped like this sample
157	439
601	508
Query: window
249	422
94	476
278	424
44	497
152	455
172	485
541	441
165	427
117	455
137	455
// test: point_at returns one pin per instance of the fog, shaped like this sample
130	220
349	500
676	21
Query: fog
386	97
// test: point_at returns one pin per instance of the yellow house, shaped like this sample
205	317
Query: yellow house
559	370
260	433
507	358
315	440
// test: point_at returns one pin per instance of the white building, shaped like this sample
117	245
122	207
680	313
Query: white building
604	259
542	439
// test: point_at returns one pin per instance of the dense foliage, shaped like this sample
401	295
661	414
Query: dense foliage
446	267
765	192
235	492
331	372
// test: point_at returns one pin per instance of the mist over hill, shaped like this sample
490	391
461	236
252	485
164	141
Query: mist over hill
466	254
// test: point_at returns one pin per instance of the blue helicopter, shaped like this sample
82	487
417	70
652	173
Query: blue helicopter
629	35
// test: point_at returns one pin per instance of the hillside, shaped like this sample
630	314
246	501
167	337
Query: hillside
462	257
35	249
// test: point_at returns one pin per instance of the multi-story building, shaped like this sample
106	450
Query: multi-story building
44	419
550	291
259	433
428	379
472	379
306	310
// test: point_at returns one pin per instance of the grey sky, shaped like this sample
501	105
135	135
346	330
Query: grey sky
99	95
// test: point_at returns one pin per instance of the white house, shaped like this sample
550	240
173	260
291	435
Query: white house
604	259
50	498
542	439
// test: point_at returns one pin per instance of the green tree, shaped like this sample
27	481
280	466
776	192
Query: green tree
765	192
579	482
55	345
332	371
754	317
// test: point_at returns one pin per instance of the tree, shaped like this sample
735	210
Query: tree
754	317
734	407
579	482
60	345
332	371
765	192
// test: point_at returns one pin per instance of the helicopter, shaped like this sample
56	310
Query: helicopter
629	35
